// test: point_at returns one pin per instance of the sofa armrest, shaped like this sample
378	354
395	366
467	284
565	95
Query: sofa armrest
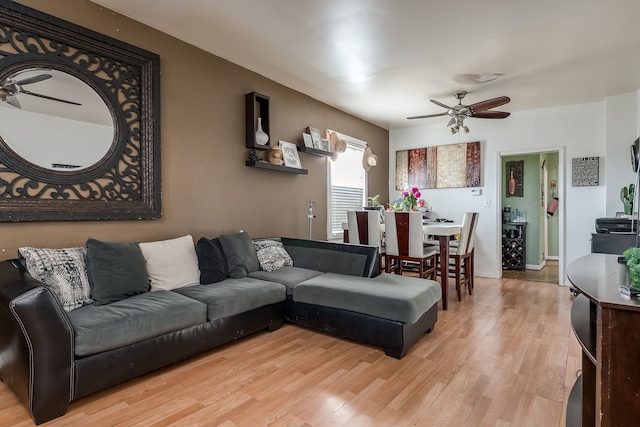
36	344
330	257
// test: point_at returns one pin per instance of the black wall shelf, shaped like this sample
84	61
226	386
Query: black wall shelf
269	166
315	151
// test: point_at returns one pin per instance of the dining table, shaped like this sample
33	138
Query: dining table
444	231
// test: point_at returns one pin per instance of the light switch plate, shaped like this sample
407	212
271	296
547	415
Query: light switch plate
487	203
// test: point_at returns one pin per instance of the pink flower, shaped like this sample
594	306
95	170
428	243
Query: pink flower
417	194
404	194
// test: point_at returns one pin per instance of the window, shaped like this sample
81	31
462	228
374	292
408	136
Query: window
347	185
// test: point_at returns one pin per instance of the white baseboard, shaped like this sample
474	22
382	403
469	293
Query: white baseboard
535	267
553	257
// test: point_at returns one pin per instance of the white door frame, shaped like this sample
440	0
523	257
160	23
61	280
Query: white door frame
560	212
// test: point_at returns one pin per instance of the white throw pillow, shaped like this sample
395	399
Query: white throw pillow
171	263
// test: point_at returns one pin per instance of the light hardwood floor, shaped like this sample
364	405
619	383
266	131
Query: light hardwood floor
504	356
548	274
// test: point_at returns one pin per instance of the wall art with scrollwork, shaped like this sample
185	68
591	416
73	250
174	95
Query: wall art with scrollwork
79	122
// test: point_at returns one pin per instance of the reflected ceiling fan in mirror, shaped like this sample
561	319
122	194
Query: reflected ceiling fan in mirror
461	111
10	87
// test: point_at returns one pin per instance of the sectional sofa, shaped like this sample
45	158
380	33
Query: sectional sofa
54	351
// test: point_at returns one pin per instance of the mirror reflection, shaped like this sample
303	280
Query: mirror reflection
54	120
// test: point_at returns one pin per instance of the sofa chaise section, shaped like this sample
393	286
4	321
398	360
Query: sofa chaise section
387	311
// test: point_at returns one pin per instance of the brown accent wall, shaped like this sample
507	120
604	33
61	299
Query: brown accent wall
206	188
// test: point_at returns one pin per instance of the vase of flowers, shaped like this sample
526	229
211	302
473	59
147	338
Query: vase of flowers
410	198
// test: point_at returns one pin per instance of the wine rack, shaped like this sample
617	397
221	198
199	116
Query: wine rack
514	248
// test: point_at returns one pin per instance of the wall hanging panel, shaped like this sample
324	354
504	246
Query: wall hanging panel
441	166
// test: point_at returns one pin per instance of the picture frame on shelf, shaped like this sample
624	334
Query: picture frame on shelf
308	141
290	154
326	145
315	137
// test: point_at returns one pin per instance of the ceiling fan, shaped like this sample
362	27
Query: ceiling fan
9	88
460	112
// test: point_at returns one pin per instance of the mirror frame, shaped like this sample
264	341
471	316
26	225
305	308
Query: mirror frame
125	183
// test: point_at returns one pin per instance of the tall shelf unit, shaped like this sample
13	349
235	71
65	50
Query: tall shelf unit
605	323
257	105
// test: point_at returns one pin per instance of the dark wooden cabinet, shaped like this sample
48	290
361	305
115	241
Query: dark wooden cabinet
607	326
514	245
612	243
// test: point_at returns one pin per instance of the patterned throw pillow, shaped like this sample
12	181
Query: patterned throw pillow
272	255
63	271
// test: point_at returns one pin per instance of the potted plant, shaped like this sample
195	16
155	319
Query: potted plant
626	195
632	255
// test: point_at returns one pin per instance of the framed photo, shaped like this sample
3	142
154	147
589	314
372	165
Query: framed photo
325	145
308	142
290	154
315	137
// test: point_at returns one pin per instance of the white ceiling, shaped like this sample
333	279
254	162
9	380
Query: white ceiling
383	60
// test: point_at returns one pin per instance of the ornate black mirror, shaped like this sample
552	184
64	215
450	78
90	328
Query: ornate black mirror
79	122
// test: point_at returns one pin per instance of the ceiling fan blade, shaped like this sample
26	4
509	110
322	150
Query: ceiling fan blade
452	121
26	92
440	104
34	79
491	115
11	100
489	103
427	116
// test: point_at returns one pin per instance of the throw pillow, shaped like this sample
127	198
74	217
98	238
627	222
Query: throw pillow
171	263
116	271
241	256
211	260
63	271
272	255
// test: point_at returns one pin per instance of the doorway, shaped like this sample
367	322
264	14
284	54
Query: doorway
530	195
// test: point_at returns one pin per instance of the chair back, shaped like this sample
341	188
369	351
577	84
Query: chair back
364	228
403	233
467	233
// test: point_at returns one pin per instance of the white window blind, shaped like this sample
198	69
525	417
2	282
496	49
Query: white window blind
347	189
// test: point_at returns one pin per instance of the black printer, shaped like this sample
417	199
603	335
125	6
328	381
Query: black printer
616	225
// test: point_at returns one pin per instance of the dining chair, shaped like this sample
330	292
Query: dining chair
364	229
403	231
461	255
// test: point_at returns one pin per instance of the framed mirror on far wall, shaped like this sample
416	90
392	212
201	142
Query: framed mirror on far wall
79	122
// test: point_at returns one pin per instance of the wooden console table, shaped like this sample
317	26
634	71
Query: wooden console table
607	326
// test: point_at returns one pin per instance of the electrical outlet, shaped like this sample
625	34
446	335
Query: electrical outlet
487	203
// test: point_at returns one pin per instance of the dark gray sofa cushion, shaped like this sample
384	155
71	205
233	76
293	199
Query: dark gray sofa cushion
234	296
287	276
240	253
211	261
116	271
137	318
388	296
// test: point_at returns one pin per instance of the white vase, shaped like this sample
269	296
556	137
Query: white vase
261	137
